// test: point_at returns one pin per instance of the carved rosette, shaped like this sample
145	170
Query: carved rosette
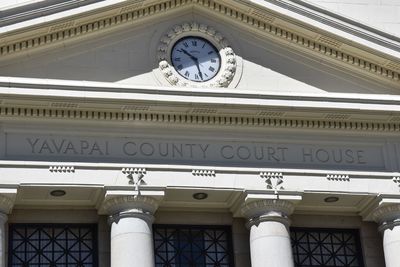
388	216
228	58
131	206
268	210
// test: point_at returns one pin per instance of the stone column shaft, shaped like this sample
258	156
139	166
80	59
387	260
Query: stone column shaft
388	216
131	230
7	197
269	233
131	239
3	221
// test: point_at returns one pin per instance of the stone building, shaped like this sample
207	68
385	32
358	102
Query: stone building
199	133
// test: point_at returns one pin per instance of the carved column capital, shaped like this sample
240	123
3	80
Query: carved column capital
130	202
268	210
7	199
387	215
120	206
6	204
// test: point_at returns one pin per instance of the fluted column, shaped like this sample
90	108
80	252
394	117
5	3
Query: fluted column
388	217
131	219
269	232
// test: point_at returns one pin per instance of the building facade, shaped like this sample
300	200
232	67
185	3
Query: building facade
183	133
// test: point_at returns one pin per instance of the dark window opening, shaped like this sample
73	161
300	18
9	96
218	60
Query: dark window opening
52	245
326	247
192	246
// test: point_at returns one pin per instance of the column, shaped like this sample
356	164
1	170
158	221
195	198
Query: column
6	204
388	217
269	232
3	221
131	219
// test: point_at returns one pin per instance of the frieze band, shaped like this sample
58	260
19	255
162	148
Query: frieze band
146	150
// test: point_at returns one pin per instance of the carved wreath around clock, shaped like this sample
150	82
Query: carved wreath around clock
196	55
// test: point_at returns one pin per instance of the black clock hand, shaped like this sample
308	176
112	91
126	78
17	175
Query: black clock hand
198	68
196	61
187	53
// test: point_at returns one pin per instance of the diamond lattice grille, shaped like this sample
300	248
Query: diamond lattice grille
52	245
192	246
328	248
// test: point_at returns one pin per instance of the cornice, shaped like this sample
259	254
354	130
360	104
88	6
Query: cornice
339	22
68	100
22	11
362	59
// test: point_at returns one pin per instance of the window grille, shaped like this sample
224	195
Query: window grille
192	246
326	247
56	245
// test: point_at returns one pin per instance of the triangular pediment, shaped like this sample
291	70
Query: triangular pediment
281	46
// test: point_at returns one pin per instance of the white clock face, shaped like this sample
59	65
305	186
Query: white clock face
195	59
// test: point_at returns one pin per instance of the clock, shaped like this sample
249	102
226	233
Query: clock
195	59
196	55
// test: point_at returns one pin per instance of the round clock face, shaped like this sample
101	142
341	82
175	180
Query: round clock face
195	59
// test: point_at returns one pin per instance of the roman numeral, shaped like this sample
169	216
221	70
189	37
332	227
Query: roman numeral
210	52
211	69
177	59
180	67
213	60
185	44
196	76
187	73
194	43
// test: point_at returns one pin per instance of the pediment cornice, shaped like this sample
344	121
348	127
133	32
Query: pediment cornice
364	53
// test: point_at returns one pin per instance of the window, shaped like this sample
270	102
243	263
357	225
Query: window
326	247
192	246
52	245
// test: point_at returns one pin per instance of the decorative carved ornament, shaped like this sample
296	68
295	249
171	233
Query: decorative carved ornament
138	203
263	206
274	180
338	177
134	171
62	169
396	180
228	58
210	173
135	176
387	215
6	204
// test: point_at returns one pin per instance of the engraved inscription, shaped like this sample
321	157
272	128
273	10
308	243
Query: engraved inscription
196	151
65	147
321	155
